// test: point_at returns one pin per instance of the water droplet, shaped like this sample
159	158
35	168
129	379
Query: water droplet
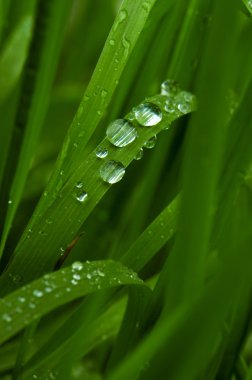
48	289
89	276
169	88
6	318
126	45
74	282
121	132
139	154
9	201
146	6
185	102
79	185
21	299
100	273
112	171
38	293
151	142
121	17
76	276
32	305
104	93
77	265
148	114
101	152
112	42
170	106
16	278
82	197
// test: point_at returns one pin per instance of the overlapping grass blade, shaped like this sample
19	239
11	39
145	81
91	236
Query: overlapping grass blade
53	290
40	232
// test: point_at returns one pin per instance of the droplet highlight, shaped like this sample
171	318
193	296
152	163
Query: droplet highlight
112	171
82	197
121	132
101	152
148	114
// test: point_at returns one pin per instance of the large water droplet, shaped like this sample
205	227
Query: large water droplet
112	171
151	142
148	114
185	102
169	88
101	152
82	197
121	132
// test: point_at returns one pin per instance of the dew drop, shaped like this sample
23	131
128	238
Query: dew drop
21	299
112	171
170	106
112	42
82	197
104	93
122	15
48	289
79	185
121	132
89	276
151	142
38	293
169	88
77	265
100	273
148	114
6	318
185	102
10	201
76	276
126	45
101	152
139	154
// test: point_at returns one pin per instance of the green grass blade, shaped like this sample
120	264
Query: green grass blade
45	77
203	159
52	290
40	232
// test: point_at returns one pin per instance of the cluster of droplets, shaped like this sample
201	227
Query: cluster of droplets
122	132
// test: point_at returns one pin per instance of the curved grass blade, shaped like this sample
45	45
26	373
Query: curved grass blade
32	301
38	249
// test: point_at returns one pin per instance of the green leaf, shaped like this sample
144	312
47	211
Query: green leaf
32	301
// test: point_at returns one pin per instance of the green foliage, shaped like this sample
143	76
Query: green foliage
148	277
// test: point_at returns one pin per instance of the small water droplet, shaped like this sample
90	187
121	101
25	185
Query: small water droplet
49	221
121	17
185	102
79	185
169	88
170	106
148	114
112	171
21	299
6	318
76	276
101	152
82	197
112	42
104	93
126	45
48	289
16	278
139	154
9	201
77	265
151	142
89	276
121	132
100	273
146	6
38	293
